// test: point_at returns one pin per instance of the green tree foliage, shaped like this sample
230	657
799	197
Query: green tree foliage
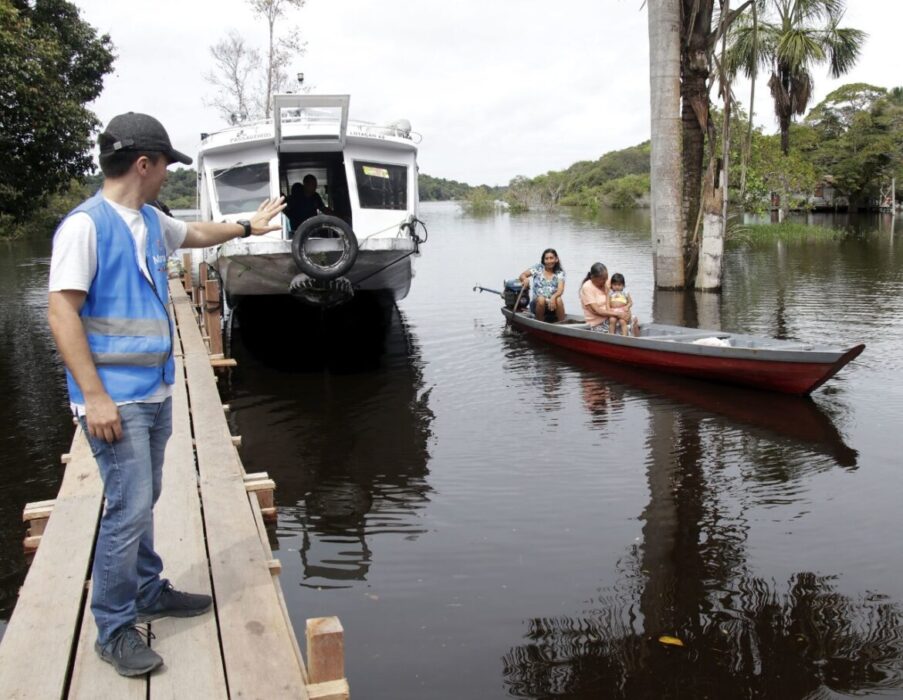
617	179
611	166
180	189
51	64
178	192
519	194
789	39
479	202
858	139
436	189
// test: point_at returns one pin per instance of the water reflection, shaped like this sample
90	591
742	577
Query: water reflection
792	426
602	399
350	462
789	419
743	636
800	639
34	413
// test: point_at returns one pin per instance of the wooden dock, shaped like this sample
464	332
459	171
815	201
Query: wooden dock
210	533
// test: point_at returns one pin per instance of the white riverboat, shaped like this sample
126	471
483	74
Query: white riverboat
366	175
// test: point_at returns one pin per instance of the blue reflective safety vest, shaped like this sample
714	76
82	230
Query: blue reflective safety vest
125	317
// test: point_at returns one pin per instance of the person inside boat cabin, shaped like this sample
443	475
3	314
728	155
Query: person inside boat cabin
107	310
547	287
305	202
594	297
619	298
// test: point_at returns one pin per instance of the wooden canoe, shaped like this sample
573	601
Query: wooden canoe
785	366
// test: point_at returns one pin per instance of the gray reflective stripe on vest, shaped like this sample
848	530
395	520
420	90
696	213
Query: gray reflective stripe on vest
136	359
137	327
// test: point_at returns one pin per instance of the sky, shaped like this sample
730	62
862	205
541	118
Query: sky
496	88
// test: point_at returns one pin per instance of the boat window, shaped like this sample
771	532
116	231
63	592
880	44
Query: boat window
381	186
241	188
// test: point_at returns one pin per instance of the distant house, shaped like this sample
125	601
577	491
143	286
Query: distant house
825	197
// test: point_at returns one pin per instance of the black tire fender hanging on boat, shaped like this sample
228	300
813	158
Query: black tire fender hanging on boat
329	228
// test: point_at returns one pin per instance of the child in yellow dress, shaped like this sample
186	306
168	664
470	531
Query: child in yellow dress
619	298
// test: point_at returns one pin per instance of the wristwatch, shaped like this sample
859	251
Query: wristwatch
246	225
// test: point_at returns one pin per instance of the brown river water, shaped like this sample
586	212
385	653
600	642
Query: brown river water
491	518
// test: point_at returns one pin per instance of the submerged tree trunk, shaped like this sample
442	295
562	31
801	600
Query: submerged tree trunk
708	274
668	228
714	230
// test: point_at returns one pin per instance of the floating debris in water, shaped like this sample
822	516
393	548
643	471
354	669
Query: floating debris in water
671	641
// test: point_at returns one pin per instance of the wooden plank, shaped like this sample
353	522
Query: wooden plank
37	515
46	619
268	552
223	363
30	543
256	641
93	678
330	690
189	647
37	510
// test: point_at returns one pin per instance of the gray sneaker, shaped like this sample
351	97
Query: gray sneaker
173	603
129	653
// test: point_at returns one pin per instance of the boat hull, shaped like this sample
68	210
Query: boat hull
787	371
267	268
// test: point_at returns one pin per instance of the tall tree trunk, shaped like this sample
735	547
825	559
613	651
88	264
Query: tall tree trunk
696	35
747	144
668	229
271	19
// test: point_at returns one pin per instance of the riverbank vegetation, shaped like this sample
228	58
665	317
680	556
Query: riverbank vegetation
848	147
785	231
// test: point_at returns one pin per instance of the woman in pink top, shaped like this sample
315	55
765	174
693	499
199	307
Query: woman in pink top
594	299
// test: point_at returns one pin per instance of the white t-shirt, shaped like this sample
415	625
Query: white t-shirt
74	260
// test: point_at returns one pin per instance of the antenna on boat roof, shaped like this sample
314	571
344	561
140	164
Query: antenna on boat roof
300	77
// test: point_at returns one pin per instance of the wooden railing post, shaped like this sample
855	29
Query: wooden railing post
213	314
186	272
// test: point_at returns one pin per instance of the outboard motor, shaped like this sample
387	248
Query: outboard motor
512	291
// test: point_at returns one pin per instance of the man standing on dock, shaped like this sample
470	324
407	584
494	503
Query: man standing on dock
108	314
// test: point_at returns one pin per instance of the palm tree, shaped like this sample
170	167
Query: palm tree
789	41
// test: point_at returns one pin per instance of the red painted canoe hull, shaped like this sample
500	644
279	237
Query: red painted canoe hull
789	377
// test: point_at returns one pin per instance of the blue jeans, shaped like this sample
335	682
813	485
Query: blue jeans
126	573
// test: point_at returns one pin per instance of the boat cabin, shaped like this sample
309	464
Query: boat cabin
367	174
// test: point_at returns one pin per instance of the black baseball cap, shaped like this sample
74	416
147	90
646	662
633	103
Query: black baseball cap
133	131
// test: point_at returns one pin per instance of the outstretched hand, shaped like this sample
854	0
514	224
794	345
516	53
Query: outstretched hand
269	208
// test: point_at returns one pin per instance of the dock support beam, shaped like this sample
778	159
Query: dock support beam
36	515
263	486
326	659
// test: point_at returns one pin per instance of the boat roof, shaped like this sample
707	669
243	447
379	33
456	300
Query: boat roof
310	123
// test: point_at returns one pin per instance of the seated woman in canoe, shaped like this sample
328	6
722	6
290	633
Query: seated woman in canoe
547	287
594	297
